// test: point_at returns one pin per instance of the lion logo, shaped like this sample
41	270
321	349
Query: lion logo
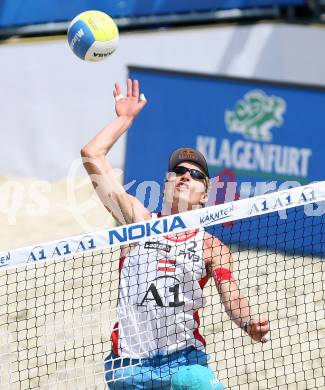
255	115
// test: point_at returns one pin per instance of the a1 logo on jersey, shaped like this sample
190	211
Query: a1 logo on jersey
164	291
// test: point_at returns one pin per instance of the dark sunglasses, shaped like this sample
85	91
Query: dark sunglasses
195	174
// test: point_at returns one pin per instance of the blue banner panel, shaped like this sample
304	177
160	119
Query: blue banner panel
260	135
296	234
25	12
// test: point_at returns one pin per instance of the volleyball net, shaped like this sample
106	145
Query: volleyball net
58	300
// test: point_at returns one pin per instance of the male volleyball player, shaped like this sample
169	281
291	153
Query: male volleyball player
161	280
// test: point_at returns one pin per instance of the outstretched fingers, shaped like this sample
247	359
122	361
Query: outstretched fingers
117	89
142	100
135	91
117	92
129	87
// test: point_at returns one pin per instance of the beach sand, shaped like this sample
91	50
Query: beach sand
34	211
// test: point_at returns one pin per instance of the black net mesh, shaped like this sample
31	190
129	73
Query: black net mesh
57	317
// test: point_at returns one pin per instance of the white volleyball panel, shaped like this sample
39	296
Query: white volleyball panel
100	50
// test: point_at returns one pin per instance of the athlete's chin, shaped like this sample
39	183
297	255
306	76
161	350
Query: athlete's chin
182	189
182	196
185	203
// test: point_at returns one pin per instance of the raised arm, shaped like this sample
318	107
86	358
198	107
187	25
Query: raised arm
124	207
219	264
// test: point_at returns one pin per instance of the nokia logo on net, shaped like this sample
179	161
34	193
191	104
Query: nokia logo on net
146	229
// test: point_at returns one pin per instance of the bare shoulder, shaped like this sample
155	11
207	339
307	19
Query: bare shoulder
126	208
140	212
216	253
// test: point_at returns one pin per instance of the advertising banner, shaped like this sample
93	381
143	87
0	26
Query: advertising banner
257	136
22	12
302	197
257	131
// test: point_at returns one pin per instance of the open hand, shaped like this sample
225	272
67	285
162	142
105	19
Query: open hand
130	105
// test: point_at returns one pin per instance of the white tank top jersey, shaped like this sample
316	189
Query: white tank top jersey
160	293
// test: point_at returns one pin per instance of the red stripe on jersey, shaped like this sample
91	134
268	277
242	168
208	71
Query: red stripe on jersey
114	337
167	269
203	281
114	334
121	263
164	261
188	236
196	333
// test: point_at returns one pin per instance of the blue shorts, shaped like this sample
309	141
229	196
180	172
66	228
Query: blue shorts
150	374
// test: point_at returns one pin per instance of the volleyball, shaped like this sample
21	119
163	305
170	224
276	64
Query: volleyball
93	36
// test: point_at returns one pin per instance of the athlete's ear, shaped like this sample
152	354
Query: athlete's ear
204	198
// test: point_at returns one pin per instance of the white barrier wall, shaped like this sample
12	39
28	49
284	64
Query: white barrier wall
51	103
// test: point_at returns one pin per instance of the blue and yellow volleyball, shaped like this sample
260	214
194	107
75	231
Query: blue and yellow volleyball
93	36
